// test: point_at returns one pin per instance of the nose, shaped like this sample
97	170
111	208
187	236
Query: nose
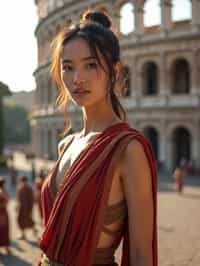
78	77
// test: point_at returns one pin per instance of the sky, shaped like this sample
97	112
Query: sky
18	47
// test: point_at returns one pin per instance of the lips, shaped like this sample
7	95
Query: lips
80	91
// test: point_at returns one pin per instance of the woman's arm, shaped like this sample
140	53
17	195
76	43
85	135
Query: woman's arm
137	183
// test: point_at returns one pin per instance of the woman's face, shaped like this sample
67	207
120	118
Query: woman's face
83	77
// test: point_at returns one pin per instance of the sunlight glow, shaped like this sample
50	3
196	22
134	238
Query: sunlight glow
127	18
152	13
181	10
18	51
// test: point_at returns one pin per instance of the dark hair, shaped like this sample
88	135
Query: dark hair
94	28
23	178
2	181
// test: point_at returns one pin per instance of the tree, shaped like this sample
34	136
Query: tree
4	91
17	124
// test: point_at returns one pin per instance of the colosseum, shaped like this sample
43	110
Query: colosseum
163	62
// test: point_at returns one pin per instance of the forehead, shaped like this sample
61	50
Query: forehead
75	49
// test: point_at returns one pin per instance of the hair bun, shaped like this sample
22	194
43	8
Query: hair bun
98	17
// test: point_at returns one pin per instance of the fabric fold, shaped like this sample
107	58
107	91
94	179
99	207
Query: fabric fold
73	221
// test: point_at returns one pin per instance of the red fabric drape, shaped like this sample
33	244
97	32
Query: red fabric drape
74	220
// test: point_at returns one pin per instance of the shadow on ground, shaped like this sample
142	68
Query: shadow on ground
33	243
16	245
12	260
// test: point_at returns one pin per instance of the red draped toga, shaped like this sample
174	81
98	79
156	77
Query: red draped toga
73	220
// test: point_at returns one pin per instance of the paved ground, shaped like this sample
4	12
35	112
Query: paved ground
178	220
24	253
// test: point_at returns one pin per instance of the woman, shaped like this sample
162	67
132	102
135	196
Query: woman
25	203
179	178
4	221
103	186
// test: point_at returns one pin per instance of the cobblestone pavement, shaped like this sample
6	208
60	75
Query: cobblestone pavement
178	221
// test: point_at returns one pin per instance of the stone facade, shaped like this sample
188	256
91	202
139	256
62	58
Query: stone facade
164	67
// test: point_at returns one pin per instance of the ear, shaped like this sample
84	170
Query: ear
118	68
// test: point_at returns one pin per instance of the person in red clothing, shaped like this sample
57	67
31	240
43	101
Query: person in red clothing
179	175
25	202
102	189
4	220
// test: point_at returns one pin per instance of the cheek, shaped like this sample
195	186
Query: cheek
66	80
103	82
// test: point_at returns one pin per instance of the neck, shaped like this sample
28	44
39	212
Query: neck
96	119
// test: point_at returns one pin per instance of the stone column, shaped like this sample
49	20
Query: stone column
138	84
198	147
54	94
37	142
40	142
40	95
138	17
116	19
49	144
195	15
166	6
163	76
45	92
35	99
133	77
54	143
45	141
33	138
169	156
195	144
162	146
194	73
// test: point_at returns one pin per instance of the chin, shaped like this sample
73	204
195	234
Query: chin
88	103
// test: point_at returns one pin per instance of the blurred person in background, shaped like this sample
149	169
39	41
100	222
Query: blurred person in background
13	176
25	203
179	175
4	220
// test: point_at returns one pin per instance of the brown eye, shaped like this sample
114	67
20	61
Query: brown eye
92	65
67	68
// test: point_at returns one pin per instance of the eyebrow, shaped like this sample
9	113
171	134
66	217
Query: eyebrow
83	59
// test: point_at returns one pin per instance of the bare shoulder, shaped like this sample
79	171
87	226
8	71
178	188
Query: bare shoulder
134	153
135	168
63	142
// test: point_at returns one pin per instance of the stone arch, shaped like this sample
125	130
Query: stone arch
181	145
180	76
126	12
152	135
150	78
